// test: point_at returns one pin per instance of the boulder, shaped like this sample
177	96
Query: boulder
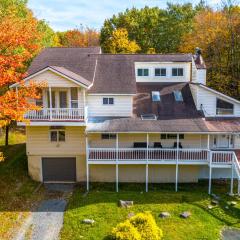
185	215
88	221
233	203
210	207
216	197
164	215
125	204
215	202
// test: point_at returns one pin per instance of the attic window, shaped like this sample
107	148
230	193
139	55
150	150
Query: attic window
156	96
178	96
224	108
148	117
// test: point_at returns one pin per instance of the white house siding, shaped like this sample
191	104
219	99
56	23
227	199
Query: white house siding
201	76
122	106
52	79
208	100
169	78
126	140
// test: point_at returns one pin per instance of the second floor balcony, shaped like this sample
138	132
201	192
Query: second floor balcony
60	104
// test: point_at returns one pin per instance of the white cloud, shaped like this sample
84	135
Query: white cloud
66	14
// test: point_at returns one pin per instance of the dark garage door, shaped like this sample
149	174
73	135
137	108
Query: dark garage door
57	169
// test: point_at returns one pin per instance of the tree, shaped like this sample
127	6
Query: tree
19	42
82	37
119	42
217	33
152	28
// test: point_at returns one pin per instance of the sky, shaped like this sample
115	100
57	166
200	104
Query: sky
69	14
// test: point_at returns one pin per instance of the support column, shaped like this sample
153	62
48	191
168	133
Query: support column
147	163
176	184
117	162
232	175
87	166
50	102
210	173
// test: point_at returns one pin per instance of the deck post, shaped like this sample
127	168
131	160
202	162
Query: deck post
176	184
87	166
210	173
50	101
147	164
232	175
117	162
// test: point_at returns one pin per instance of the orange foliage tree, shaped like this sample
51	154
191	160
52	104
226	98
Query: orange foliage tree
83	37
19	42
217	33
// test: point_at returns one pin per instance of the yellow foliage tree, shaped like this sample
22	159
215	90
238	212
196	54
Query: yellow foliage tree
120	43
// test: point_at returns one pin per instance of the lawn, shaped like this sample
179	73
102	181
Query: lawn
101	205
16	188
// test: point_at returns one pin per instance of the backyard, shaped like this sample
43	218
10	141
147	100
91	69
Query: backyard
101	205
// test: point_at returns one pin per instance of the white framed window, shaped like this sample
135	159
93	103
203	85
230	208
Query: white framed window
108	101
178	96
108	136
224	108
57	134
160	72
74	97
177	72
143	72
156	96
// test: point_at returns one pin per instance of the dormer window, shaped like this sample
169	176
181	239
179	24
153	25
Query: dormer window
178	96
143	72
177	72
224	108
156	96
160	72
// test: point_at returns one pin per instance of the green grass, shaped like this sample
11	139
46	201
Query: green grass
101	205
16	188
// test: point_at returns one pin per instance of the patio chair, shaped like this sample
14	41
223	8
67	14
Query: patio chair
157	145
179	145
140	145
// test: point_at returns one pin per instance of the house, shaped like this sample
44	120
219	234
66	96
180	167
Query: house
129	118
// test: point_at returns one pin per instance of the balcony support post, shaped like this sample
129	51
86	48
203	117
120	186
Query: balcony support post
232	175
50	101
147	163
176	184
87	166
117	162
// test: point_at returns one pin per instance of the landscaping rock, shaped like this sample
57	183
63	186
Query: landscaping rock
164	215
226	207
125	204
216	197
233	203
131	214
88	221
210	207
215	202
185	215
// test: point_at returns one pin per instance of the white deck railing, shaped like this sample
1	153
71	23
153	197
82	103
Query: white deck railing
161	154
144	154
77	114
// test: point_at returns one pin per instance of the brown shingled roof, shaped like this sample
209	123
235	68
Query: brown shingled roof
167	108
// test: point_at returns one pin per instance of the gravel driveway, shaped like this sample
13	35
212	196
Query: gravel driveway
46	222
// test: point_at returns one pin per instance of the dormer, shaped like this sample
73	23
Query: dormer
170	72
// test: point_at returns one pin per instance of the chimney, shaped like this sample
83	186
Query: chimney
198	58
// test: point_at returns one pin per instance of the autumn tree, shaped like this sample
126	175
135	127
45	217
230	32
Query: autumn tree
120	43
19	42
154	29
217	33
81	37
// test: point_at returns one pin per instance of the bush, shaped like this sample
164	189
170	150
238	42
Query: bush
125	231
140	227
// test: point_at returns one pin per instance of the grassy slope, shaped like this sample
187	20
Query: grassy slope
101	205
16	188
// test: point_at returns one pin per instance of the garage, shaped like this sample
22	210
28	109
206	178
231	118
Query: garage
59	169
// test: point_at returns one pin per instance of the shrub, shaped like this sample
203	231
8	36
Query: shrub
140	227
125	231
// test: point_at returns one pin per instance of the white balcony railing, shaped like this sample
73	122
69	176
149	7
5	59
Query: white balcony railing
160	154
56	114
